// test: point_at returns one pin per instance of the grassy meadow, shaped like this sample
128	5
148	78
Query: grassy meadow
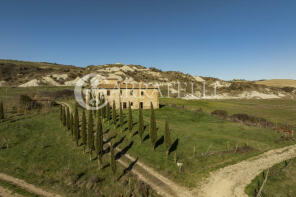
205	143
43	153
275	110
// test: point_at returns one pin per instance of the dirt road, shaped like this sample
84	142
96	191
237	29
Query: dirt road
26	186
231	181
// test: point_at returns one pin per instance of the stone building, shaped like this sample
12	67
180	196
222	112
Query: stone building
138	94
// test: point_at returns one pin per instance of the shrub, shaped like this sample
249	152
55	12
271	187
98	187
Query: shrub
220	113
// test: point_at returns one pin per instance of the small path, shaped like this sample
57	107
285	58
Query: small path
7	193
27	186
160	184
231	181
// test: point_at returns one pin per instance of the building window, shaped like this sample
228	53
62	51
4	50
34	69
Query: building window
108	92
131	103
120	92
124	105
142	93
141	105
131	92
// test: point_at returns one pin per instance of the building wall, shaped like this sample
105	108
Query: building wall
149	95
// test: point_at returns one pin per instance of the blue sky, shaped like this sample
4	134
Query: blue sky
250	39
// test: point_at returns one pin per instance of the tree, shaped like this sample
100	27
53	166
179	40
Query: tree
99	141
99	113
1	110
83	130
130	118
153	132
71	124
120	117
103	110
68	119
76	125
90	133
61	113
114	114
108	112
64	116
112	159
167	137
141	124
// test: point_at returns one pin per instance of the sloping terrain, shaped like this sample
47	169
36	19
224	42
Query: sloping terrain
278	83
32	74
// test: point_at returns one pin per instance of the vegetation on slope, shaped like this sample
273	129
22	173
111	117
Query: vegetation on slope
280	181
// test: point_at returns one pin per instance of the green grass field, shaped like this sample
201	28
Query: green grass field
280	182
206	134
203	132
43	153
276	110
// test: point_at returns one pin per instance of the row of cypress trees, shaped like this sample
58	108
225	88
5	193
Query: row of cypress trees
105	112
95	142
90	139
152	125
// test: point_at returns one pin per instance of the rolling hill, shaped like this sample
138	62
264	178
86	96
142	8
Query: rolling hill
15	73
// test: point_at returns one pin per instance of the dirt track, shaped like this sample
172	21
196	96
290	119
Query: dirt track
29	187
231	181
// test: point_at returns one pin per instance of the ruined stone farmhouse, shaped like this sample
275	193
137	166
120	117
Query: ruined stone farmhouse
139	95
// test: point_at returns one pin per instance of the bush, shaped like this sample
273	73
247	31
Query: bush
65	93
241	117
220	113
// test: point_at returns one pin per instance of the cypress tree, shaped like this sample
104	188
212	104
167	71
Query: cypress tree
108	113
90	133
103	110
64	116
1	110
68	119
114	114
153	132
72	124
112	159
76	125
99	141
83	130
141	124
99	112
95	113
167	138
120	117
130	118
61	113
